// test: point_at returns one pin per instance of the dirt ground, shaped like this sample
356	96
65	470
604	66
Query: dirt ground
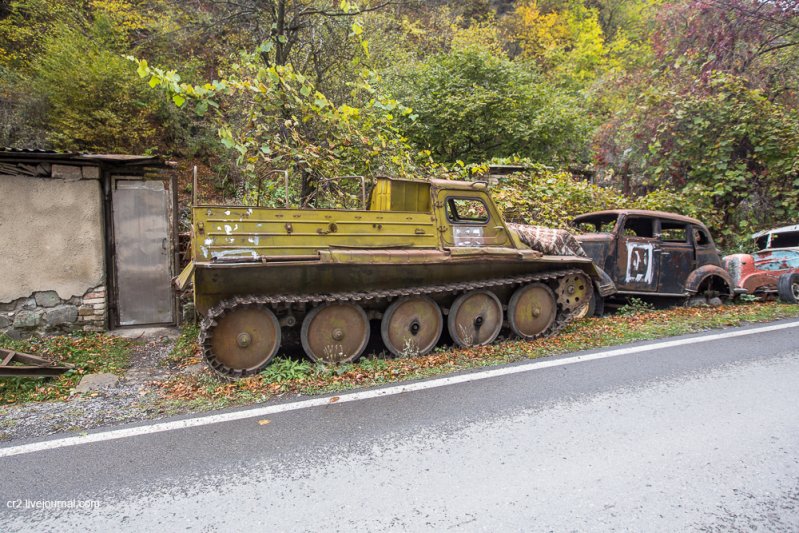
133	398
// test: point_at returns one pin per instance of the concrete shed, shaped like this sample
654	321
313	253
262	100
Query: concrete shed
86	242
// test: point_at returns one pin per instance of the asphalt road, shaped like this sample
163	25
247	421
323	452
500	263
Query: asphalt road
702	436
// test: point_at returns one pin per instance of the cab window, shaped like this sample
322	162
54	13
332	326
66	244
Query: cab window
467	211
596	224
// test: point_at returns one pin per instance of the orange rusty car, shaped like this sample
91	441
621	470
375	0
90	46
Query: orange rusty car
772	271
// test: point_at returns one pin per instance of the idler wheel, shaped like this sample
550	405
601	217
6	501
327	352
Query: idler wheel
243	341
532	310
475	318
335	333
574	291
412	326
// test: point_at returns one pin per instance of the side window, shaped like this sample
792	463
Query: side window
466	211
673	232
701	238
639	227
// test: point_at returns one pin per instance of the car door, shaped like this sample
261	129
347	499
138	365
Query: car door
676	258
636	252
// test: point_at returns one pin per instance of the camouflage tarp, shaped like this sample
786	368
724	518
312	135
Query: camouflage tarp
547	240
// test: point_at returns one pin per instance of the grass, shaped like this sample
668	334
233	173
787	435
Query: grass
89	354
186	350
204	391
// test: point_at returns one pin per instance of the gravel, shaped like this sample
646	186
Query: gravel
132	399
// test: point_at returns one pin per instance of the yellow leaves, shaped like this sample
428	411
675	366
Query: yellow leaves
264	422
538	33
569	41
128	16
483	35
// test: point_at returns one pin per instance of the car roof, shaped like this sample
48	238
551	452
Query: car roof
783	229
789	249
642	212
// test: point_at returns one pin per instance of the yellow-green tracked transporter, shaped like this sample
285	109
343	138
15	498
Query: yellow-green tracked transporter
425	255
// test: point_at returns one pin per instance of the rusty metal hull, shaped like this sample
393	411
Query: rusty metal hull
220	282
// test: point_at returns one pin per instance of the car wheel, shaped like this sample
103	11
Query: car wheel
788	288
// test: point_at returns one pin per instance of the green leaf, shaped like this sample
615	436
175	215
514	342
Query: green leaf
143	69
179	100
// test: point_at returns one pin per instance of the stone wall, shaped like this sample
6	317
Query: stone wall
47	312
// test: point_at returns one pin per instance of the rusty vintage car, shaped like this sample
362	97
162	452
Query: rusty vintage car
655	254
773	270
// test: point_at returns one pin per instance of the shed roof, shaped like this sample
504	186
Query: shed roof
35	155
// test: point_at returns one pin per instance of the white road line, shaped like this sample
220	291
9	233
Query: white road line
377	393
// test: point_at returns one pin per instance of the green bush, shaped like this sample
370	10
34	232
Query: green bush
472	105
552	198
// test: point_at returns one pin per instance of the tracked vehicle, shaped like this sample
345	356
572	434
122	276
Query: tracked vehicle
420	257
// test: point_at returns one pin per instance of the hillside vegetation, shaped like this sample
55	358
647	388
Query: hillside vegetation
690	106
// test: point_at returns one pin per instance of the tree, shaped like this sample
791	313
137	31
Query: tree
754	40
275	118
473	105
310	35
729	149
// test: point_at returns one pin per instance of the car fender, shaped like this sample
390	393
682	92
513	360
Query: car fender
739	266
604	284
698	276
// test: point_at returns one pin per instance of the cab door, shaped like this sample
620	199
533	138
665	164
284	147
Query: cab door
677	258
636	253
468	219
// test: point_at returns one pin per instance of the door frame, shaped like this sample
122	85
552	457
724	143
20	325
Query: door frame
110	179
669	247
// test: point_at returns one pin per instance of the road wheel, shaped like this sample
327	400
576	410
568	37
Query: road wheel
475	318
335	333
788	288
243	341
412	326
532	310
595	307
